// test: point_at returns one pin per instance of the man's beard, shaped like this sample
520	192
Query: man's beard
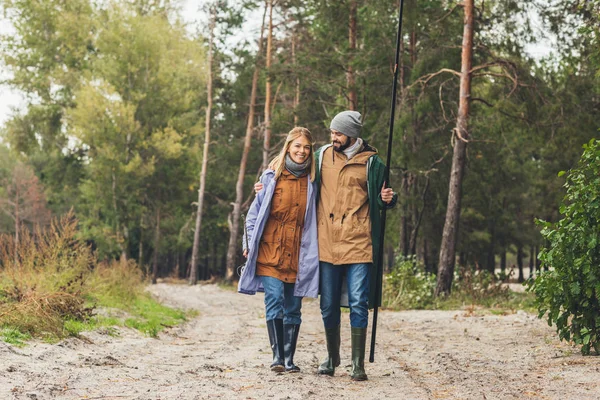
344	146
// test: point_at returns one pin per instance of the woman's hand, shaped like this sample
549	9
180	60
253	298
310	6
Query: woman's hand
258	187
246	253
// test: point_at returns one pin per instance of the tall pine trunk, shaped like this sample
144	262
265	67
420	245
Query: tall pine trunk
193	278
17	223
350	78
234	220
156	246
297	88
491	254
450	232
520	262
267	136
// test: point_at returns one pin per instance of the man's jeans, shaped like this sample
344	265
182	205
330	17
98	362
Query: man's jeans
280	302
357	276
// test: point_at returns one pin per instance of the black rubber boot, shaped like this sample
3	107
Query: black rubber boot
275	329
359	338
333	352
290	338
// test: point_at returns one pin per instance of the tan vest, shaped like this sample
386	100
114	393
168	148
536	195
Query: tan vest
343	212
279	246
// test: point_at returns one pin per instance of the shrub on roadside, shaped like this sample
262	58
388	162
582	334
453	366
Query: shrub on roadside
568	294
43	279
51	283
408	286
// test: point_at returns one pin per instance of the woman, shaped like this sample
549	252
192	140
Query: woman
283	258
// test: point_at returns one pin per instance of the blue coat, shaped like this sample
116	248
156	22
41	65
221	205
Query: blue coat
307	278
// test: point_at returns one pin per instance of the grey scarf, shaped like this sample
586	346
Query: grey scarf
354	149
296	169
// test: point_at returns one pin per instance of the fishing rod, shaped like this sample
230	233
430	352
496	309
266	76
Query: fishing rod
378	266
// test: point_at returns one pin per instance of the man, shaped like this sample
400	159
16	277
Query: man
352	193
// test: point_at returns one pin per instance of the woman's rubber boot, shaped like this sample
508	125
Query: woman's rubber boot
275	329
333	352
290	338
359	338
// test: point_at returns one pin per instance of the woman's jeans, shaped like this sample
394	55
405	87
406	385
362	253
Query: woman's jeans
280	302
357	277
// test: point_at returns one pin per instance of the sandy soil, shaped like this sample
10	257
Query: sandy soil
224	353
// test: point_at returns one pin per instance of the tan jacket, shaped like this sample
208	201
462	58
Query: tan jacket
343	211
279	246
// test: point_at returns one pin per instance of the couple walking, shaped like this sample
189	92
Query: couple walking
314	227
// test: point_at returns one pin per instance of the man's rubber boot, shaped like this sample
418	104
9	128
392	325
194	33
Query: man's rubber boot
332	335
290	338
275	329
359	339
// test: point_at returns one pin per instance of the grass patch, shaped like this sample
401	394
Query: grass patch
226	285
151	317
51	286
14	336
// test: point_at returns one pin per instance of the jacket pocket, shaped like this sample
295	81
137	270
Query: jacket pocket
269	253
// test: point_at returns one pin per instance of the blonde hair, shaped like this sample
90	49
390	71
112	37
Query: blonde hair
278	163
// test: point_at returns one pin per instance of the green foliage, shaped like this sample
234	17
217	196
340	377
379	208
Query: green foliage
14	336
568	293
408	286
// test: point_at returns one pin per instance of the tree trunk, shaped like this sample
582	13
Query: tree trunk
520	262
267	136
503	261
450	232
418	218
239	187
141	249
404	235
156	244
193	277
428	268
350	78
412	49
17	223
531	261
297	88
390	259
491	255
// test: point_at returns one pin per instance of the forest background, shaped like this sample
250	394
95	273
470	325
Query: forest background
136	122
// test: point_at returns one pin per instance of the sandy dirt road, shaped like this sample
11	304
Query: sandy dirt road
224	354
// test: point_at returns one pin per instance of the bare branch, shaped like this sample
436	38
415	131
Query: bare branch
424	80
500	111
442	100
448	13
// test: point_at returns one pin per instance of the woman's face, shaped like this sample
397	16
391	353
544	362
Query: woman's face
299	150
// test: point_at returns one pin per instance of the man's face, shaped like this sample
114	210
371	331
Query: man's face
340	141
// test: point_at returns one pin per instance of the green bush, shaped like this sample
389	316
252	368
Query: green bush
408	286
568	293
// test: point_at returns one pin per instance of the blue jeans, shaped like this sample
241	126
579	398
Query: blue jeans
357	277
280	302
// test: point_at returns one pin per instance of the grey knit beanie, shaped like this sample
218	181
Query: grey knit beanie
347	122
